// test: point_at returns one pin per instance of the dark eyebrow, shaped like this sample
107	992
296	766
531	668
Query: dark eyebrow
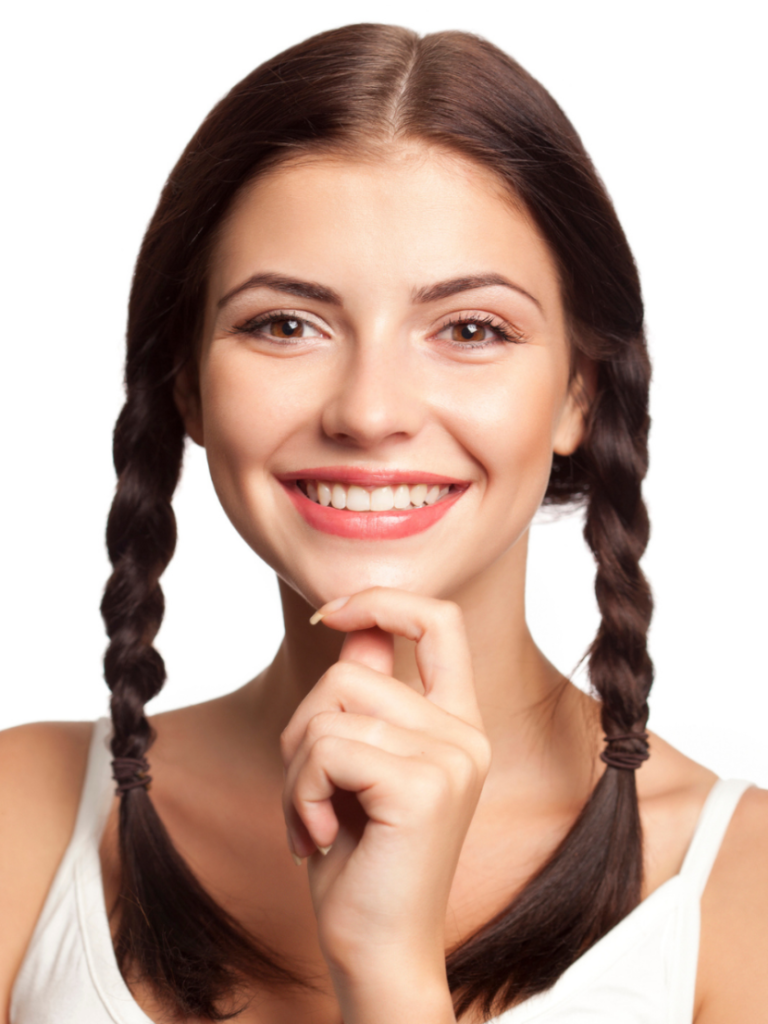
320	293
289	285
444	289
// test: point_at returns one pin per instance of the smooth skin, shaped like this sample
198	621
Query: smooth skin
424	694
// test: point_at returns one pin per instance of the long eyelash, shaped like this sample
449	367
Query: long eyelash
504	329
501	327
253	326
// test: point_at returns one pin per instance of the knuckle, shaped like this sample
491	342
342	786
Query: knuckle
462	766
326	679
337	675
431	784
482	751
321	749
300	799
375	730
333	684
453	613
319	725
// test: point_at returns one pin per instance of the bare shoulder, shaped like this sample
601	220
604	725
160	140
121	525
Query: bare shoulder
733	981
672	790
42	767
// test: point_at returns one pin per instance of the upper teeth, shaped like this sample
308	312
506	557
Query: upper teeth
376	499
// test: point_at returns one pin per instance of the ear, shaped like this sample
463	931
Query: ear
572	425
186	395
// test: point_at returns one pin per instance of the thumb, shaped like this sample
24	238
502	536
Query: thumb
372	647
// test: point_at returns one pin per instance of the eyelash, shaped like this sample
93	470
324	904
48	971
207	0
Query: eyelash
253	326
506	332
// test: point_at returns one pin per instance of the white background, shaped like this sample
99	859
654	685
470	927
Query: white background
99	100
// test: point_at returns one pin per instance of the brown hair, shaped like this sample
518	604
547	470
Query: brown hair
346	88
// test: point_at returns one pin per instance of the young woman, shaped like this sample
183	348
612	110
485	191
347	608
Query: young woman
386	291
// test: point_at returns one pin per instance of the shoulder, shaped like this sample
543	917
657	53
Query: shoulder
42	768
672	790
733	982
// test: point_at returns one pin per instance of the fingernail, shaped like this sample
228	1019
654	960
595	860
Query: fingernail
332	606
324	850
292	848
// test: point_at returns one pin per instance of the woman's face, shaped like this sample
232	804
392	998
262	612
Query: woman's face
384	372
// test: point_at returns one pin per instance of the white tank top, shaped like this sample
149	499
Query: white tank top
641	972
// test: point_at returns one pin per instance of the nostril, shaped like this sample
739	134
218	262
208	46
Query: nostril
363	416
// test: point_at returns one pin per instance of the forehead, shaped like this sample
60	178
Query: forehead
402	216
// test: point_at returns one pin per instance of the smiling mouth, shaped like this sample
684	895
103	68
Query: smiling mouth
371	505
354	498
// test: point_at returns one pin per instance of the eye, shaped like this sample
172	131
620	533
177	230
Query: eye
479	332
279	326
469	331
289	328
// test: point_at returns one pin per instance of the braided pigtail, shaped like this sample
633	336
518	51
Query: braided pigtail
170	931
594	877
616	530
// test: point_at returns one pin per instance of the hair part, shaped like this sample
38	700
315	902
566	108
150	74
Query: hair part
348	91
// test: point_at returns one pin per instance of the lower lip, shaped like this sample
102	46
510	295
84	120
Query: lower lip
369	525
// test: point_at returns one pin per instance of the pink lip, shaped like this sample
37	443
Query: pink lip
369	525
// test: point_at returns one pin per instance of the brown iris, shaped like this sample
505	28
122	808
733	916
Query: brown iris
287	328
469	332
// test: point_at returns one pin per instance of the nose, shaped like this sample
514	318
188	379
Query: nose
375	401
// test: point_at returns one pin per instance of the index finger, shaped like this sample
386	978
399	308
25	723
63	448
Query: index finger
372	647
436	627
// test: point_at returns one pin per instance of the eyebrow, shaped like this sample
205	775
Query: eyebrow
444	289
288	285
320	293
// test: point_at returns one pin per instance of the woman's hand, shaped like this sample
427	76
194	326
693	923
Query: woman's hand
416	766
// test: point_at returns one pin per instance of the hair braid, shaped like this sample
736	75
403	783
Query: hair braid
141	537
594	877
616	530
168	924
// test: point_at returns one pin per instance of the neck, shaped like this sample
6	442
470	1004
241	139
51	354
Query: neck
537	721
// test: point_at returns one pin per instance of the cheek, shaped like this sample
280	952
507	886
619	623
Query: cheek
245	418
509	429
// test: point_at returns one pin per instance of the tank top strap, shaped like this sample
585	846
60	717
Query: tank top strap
96	798
713	822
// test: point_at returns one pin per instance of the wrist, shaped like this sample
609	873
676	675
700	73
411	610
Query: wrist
404	996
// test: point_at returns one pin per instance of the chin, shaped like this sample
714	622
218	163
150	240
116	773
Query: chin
321	582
